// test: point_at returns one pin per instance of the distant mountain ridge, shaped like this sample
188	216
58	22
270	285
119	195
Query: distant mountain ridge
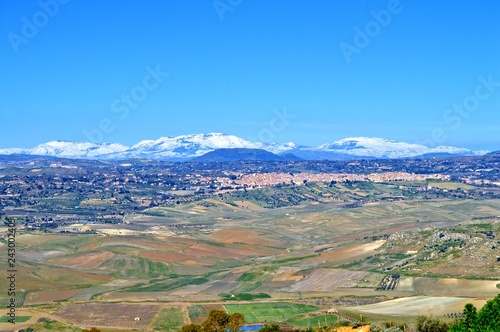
186	147
236	154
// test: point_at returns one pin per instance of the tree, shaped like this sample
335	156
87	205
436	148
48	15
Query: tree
236	321
192	328
217	320
470	313
486	320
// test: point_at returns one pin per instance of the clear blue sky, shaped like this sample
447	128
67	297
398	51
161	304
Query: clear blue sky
231	63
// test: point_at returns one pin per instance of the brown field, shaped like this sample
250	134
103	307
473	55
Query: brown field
130	296
179	240
232	235
287	274
205	250
187	298
83	261
211	287
90	275
418	305
325	280
49	296
405	284
109	315
177	257
349	253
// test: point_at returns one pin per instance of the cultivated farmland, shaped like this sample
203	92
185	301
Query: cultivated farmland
269	312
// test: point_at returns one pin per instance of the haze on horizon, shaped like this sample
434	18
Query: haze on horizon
411	71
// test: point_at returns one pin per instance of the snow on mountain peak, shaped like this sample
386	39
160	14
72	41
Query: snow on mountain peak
76	149
384	148
184	147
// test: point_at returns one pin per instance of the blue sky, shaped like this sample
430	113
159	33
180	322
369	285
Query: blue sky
415	71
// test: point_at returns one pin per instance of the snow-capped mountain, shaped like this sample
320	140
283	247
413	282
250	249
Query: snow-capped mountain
382	148
185	147
189	146
65	149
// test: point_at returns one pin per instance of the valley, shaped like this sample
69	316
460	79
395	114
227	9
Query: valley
149	246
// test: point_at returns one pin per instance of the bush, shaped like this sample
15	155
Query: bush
273	327
356	324
391	329
376	327
430	324
343	322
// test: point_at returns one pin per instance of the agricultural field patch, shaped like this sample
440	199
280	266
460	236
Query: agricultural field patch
83	261
326	280
19	319
129	267
211	287
253	237
169	319
456	287
345	254
20	298
313	321
269	312
49	296
205	250
418	305
109	315
450	185
197	313
29	255
177	257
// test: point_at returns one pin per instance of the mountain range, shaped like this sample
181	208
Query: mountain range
187	147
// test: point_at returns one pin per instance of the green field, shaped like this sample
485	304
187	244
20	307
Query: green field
20	297
196	311
269	312
316	321
19	319
170	319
